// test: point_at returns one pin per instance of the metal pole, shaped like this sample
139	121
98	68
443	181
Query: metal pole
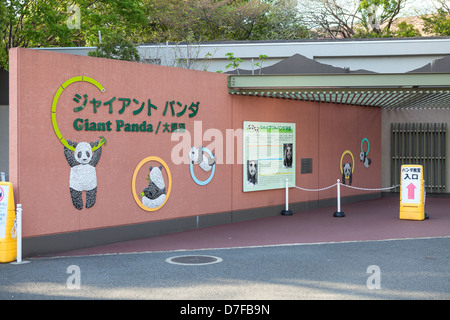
3	176
339	213
338	196
19	235
287	194
286	211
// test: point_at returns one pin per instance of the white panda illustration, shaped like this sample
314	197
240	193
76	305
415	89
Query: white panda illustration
196	155
347	173
83	176
155	194
364	159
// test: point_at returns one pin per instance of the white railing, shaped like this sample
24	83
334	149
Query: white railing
338	184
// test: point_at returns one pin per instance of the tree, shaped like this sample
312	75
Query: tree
45	23
406	30
351	18
375	13
331	18
31	23
116	47
203	20
282	21
110	17
439	23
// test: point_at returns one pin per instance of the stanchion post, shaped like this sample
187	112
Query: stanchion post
19	235
339	213
286	211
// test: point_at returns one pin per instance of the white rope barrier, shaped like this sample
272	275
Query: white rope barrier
345	185
367	189
321	189
338	213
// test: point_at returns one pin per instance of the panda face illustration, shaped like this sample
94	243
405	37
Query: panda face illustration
194	154
83	153
347	170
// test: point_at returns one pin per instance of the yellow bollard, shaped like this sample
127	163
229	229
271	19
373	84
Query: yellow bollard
8	239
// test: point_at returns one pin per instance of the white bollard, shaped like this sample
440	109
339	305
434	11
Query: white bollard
19	235
286	211
339	213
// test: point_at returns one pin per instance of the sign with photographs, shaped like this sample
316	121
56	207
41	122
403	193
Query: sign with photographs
269	155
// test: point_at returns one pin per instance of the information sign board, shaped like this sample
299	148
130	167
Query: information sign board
269	155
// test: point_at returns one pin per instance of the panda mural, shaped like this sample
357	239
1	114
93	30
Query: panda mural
347	168
83	176
154	195
196	155
347	173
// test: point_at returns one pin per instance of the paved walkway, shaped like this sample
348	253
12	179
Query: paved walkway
365	220
307	256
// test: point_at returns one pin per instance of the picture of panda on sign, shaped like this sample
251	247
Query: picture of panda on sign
288	155
252	172
83	176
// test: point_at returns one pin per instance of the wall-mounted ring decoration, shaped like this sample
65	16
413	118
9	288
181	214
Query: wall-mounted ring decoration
55	103
363	155
368	146
347	168
82	157
156	194
206	163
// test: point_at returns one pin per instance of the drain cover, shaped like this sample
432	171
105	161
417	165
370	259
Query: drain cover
193	260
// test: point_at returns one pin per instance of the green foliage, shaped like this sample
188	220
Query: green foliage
110	17
235	62
438	23
378	12
406	30
44	23
123	23
203	20
281	21
259	64
403	30
116	47
32	24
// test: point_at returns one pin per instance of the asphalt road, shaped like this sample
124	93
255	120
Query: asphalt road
387	269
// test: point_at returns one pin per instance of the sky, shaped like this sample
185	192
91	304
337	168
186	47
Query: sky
412	8
415	7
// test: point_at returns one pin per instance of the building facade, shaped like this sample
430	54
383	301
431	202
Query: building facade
101	151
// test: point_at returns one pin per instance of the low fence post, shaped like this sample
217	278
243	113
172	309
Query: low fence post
286	211
339	213
19	235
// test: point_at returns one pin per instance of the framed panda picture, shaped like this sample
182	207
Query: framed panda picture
269	155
